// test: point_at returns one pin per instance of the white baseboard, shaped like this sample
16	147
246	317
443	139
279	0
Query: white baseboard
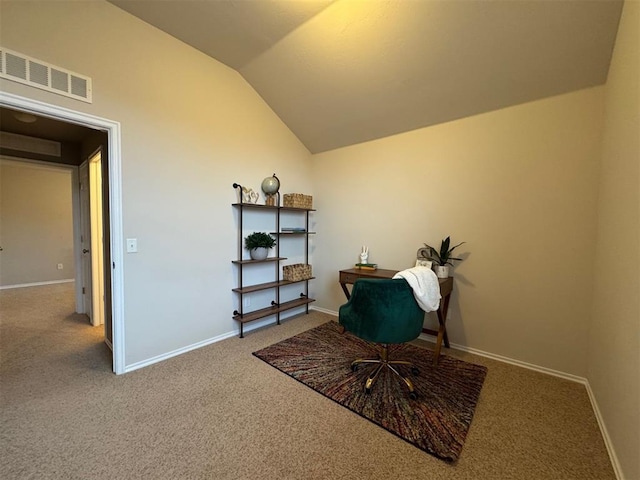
324	310
500	358
518	363
617	469
567	376
188	348
512	361
37	284
175	353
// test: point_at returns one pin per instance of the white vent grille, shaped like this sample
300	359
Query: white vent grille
29	144
23	69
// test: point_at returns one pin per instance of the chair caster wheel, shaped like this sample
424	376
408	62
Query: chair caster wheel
354	368
415	371
367	391
413	396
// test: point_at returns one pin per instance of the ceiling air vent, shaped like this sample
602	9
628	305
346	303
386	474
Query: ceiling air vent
29	71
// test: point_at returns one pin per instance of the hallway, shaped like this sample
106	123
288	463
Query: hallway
39	334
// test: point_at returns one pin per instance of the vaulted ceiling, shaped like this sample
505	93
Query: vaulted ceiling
343	72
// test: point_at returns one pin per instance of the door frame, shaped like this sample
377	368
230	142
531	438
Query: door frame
115	203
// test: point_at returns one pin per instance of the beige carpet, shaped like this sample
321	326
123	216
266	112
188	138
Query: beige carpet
221	413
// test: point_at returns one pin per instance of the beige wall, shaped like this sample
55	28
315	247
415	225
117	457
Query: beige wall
190	128
614	349
36	223
518	185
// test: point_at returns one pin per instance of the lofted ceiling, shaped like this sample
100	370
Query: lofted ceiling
341	72
347	71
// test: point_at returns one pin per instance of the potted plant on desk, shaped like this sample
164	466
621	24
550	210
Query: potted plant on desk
258	244
442	258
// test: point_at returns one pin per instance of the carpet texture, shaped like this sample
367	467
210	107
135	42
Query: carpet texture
437	422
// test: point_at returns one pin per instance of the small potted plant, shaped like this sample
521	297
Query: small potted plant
443	257
258	244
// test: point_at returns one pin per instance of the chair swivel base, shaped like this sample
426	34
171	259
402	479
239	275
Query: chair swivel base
382	363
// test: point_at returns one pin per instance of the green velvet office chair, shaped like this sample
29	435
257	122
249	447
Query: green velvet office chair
385	312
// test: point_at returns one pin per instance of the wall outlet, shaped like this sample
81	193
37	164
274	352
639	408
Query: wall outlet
60	266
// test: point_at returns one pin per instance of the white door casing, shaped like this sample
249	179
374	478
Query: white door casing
112	128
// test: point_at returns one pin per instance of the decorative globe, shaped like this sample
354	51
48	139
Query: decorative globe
271	185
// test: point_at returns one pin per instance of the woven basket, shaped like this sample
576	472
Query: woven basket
298	200
296	272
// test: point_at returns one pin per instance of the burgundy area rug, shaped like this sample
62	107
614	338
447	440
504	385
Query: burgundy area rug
437	422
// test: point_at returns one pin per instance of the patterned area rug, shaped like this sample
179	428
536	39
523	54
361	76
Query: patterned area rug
437	422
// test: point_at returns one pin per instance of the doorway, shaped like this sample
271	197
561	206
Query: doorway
112	128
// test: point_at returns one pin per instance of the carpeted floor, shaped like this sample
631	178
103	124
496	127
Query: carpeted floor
437	421
221	413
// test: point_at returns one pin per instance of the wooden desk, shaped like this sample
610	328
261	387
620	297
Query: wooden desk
350	276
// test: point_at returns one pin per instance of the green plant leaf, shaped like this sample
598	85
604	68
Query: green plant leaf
455	246
259	240
444	249
433	255
444	256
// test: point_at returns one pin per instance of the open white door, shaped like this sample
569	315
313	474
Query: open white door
97	239
85	240
91	240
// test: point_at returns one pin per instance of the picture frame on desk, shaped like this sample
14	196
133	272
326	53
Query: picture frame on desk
423	263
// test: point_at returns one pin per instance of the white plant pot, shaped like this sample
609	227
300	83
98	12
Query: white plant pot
442	271
259	253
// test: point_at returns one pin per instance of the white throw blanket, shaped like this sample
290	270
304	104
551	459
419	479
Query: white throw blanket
425	285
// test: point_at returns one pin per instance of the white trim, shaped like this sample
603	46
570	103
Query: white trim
179	351
324	310
517	363
617	469
115	203
567	376
574	378
481	353
36	284
204	343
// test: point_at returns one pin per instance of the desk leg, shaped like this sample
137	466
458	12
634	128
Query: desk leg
341	329
442	329
445	309
345	290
